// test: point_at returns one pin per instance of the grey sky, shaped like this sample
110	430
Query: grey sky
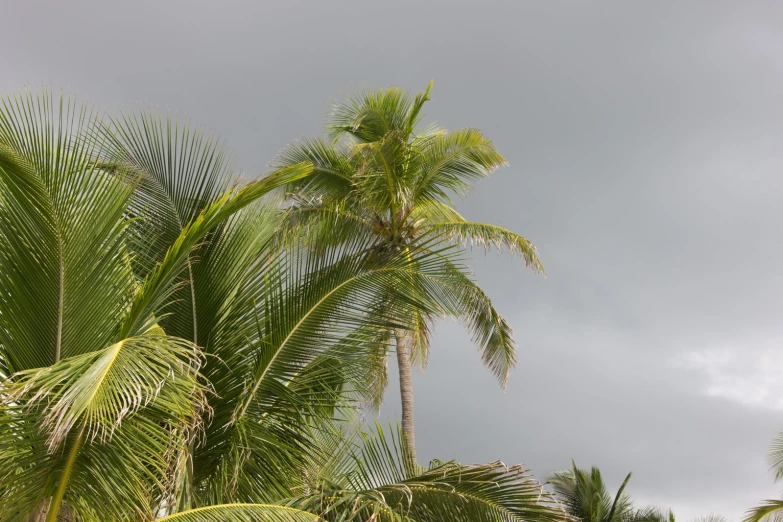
645	148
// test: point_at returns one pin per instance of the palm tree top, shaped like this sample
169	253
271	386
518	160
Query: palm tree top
396	178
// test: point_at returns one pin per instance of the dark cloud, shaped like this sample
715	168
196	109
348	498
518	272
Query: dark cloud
644	142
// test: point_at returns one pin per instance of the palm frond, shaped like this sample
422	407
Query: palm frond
452	162
332	170
381	485
768	511
652	514
96	432
317	329
454	294
486	236
775	456
586	497
242	513
372	115
64	271
158	286
181	169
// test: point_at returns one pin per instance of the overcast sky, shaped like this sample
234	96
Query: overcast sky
646	149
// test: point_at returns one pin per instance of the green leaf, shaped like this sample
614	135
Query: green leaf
242	513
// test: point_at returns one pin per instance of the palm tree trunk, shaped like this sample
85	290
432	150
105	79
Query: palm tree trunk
406	393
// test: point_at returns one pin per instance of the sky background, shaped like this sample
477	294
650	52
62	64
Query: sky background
645	142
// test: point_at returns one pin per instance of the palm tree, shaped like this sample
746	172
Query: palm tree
771	510
163	355
586	497
384	175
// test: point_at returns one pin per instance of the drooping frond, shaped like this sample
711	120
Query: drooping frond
96	432
768	511
96	391
455	294
486	236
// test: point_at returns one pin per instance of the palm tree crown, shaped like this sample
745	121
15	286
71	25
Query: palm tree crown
587	498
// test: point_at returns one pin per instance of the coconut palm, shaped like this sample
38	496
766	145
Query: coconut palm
163	355
384	175
586	497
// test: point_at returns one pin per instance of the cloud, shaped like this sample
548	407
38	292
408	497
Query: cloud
745	376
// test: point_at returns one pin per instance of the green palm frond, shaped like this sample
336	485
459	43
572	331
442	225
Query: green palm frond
242	513
452	162
775	456
454	294
64	275
431	212
96	391
418	336
332	170
768	511
182	168
158	286
652	514
586	497
315	312
99	429
382	482
372	115
486	236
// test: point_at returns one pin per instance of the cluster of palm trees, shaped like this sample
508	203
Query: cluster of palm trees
180	344
177	344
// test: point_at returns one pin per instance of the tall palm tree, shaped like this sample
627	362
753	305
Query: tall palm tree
585	496
385	175
163	355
